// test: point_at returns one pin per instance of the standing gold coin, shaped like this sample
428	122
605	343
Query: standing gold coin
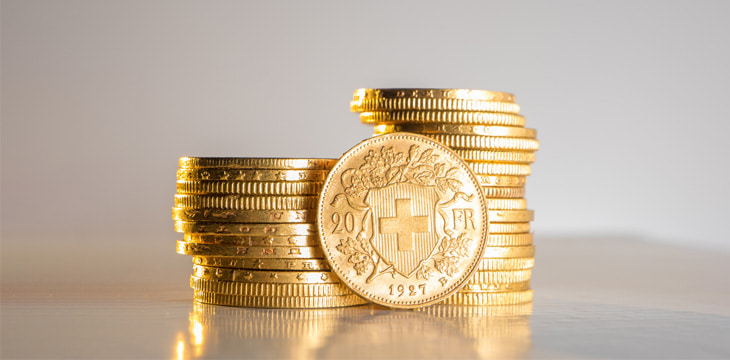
250	252
257	163
223	228
463	94
265	276
262	264
489	298
245	216
486	130
255	240
441	117
403	220
233	187
226	174
281	302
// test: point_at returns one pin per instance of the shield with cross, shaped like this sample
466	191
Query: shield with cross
404	224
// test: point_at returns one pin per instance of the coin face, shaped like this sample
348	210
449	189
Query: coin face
402	220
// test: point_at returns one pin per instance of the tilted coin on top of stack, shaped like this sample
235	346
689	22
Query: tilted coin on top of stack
486	130
249	225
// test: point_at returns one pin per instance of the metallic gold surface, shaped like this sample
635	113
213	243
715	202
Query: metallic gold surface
279	302
265	276
412	93
207	187
250	252
500	276
489	298
477	142
507	204
433	104
254	240
244	229
504	192
484	168
454	129
441	117
257	163
262	264
225	174
509	228
509	239
502	252
501	180
406	207
507	264
245	216
526	157
267	288
511	215
239	202
495	287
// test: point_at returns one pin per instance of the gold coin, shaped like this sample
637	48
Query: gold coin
244	229
463	94
225	174
262	264
507	264
489	298
499	180
522	157
507	204
402	220
509	228
441	117
453	129
250	252
504	192
433	104
478	142
283	302
267	289
254	240
484	168
496	287
245	216
265	276
509	239
501	252
250	187
500	277
238	202
511	215
257	163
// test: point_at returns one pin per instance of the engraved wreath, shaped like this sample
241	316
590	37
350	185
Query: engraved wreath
384	168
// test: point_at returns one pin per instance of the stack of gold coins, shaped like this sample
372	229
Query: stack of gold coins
249	225
486	130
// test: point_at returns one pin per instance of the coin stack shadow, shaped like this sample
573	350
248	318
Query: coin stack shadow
486	130
249	224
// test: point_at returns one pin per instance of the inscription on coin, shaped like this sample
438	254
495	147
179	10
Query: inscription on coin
402	220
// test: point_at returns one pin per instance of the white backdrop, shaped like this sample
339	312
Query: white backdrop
100	98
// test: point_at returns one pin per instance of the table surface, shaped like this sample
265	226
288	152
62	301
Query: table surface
595	297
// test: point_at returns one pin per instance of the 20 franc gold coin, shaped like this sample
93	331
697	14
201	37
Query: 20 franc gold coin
402	220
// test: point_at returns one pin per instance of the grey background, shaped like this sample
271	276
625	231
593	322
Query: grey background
100	98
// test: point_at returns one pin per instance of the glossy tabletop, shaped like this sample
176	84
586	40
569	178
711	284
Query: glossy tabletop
595	297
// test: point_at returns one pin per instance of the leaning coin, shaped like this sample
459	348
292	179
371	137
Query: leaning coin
510	251
267	289
453	129
244	216
267	276
257	163
489	298
441	117
412	93
254	240
223	228
250	252
220	174
262	264
511	215
403	221
233	187
282	302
